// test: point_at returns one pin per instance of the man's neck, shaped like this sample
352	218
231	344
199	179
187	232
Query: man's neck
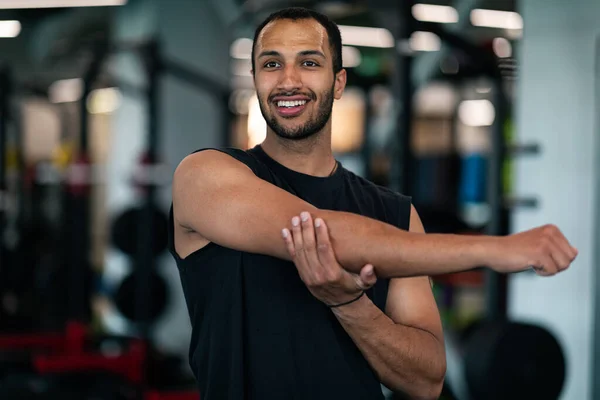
311	156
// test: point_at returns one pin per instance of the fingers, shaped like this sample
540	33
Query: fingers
324	249
310	247
558	249
308	239
289	243
561	254
363	281
569	251
295	245
367	278
297	239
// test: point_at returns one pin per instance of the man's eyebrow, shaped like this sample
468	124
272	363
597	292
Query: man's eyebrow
269	53
312	53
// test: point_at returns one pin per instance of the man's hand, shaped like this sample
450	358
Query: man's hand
543	249
310	248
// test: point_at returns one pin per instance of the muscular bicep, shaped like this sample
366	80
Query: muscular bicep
410	301
222	200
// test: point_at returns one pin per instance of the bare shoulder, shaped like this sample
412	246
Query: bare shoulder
206	164
201	182
200	172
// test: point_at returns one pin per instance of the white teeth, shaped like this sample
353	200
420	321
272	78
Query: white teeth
294	103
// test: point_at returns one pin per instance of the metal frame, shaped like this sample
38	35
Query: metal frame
151	55
4	98
595	390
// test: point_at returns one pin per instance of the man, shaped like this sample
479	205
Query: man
302	280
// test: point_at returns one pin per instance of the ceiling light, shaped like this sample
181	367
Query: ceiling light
366	36
66	91
241	49
476	112
425	41
15	4
496	19
351	57
103	101
9	29
435	13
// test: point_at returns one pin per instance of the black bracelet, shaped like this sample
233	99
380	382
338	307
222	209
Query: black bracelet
348	302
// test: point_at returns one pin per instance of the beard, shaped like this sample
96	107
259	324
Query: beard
310	128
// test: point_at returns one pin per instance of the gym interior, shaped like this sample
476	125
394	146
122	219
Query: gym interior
471	107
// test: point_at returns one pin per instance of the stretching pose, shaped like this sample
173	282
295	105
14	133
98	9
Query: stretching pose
303	280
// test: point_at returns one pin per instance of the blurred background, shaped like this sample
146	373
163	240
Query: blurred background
484	111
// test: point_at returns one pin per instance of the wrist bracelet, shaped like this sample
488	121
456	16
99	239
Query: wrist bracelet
348	302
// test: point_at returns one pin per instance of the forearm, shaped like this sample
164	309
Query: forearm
396	253
406	359
225	203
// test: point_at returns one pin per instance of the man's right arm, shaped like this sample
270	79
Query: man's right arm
222	200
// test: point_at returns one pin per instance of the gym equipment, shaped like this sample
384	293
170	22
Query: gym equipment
54	359
3	139
124	231
509	360
140	232
21	278
142	295
125	297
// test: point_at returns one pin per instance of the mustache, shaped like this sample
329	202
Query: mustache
310	95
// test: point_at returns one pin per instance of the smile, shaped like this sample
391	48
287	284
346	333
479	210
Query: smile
293	103
290	108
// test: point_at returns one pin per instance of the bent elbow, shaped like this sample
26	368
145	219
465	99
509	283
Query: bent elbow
429	390
429	387
434	391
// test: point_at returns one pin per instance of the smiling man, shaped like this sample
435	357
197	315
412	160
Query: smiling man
303	280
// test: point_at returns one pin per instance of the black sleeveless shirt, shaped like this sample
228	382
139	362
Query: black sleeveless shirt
257	332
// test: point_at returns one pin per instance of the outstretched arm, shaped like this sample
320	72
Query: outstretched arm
222	200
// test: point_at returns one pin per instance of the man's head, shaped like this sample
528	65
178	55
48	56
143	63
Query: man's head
297	69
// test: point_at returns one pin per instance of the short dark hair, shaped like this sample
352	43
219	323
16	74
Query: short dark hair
299	13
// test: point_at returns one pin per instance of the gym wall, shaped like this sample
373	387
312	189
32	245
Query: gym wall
557	108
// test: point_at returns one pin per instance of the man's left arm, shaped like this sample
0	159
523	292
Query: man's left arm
404	345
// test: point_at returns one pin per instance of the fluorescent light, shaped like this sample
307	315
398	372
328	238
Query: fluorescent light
241	49
15	4
10	29
424	41
103	101
435	13
66	91
496	19
476	112
366	37
351	57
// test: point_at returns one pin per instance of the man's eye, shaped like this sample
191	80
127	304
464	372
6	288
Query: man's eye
310	64
272	64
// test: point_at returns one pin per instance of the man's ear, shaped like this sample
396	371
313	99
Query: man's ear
340	84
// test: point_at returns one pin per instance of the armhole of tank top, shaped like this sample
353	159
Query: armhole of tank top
404	212
205	250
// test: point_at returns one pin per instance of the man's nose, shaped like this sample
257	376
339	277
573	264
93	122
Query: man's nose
290	79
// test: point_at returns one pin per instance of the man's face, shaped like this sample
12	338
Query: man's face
294	77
